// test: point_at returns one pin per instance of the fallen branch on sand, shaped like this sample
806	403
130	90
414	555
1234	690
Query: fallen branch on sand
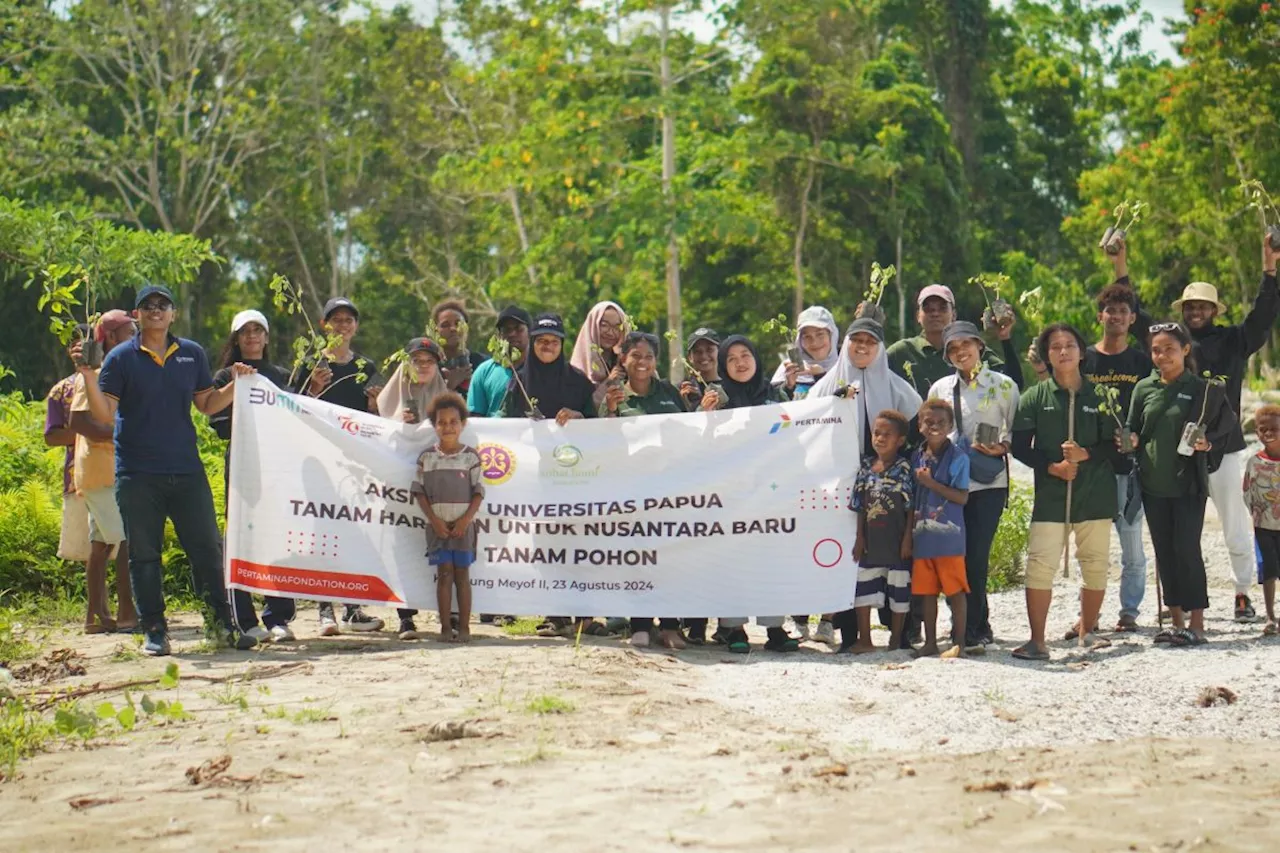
53	697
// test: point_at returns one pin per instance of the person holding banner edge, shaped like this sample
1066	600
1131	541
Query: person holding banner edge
147	387
250	335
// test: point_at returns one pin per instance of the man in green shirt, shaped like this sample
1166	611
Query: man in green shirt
920	360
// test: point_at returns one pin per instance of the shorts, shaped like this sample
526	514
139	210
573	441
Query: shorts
1268	554
446	557
935	575
1045	541
73	541
878	585
105	522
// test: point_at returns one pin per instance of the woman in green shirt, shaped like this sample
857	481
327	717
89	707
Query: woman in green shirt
643	392
1174	471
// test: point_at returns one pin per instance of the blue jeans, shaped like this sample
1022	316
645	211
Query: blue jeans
1133	562
146	501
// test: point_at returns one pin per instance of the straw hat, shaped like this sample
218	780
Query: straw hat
1199	291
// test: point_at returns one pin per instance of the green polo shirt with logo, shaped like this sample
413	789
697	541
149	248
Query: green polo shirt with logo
1040	428
1156	416
662	399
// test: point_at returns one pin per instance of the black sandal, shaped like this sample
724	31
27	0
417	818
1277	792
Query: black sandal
780	641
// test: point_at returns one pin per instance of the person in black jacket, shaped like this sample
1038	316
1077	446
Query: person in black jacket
248	344
1224	351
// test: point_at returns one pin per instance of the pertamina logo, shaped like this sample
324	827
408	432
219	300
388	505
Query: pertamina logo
497	464
786	422
354	427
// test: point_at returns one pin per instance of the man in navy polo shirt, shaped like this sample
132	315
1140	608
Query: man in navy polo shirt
146	387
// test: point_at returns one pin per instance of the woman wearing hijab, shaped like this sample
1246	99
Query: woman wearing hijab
558	389
816	334
598	350
405	397
985	403
863	366
414	384
745	382
250	334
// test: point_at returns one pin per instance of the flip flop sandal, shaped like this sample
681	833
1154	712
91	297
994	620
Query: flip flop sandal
1093	643
1073	633
1269	630
1029	652
1163	637
1181	639
1195	639
1123	627
737	642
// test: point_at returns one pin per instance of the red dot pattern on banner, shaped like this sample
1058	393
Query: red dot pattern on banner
825	499
309	544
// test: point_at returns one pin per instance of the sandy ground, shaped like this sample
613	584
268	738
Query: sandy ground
597	746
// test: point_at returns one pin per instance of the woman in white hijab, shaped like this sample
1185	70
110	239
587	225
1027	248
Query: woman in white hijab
863	370
414	384
816	335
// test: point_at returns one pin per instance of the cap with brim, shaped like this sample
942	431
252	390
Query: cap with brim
512	312
425	345
865	326
960	330
340	302
109	322
1200	291
244	318
939	290
701	334
153	290
547	324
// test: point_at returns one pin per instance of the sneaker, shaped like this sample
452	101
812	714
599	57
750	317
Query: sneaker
408	630
780	641
1244	609
328	624
357	620
826	633
262	635
282	634
802	628
241	641
156	641
640	639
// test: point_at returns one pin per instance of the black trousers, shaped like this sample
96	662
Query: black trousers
1175	525
1268	552
981	520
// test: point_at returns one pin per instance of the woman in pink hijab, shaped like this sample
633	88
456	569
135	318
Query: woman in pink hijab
596	352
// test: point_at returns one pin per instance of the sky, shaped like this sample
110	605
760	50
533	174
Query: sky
1154	38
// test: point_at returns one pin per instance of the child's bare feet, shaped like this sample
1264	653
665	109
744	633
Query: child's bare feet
446	634
1269	630
862	648
953	652
926	651
464	635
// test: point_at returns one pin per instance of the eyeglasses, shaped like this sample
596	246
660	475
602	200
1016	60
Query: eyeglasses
1163	327
611	327
155	305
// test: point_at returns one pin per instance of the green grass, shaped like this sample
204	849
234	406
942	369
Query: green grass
1009	551
23	733
302	716
525	626
548	704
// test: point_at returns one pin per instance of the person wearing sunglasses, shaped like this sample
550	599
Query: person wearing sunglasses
147	387
1224	350
1181	424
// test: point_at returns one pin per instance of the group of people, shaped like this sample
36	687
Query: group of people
1145	421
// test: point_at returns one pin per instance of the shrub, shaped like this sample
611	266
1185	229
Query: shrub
1009	551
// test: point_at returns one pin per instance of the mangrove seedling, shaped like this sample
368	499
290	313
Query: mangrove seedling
1128	214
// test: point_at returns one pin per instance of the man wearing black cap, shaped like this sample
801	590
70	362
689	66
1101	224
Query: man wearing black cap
488	391
146	387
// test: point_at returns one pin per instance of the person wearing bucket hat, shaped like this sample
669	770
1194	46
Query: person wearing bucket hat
935	310
1113	363
487	391
1224	350
248	344
345	378
984	403
815	350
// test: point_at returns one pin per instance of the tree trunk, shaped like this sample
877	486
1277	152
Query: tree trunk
901	281
675	347
518	215
797	259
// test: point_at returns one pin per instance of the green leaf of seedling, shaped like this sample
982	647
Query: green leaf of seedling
170	678
148	706
106	711
127	718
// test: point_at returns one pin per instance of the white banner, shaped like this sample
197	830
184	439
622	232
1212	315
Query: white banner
734	513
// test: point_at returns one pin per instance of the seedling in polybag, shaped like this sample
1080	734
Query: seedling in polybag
1127	214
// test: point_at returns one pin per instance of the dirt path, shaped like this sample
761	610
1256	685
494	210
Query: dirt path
592	747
